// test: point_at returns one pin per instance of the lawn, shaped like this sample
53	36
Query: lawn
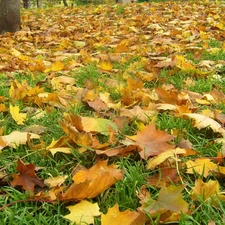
114	114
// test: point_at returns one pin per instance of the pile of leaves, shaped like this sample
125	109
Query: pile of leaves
109	73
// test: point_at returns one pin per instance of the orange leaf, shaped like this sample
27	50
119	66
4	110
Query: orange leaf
26	177
115	217
152	141
89	183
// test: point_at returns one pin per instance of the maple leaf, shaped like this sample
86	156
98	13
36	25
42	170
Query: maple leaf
137	111
169	198
26	177
89	183
201	166
83	212
152	141
205	190
115	217
100	125
16	115
18	91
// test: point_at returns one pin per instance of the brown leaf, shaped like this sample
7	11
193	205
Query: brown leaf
26	177
164	177
153	142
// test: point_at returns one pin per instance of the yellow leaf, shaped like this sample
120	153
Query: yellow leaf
2	144
15	52
55	181
201	166
204	121
65	150
16	138
56	66
153	162
205	190
16	115
115	217
83	213
106	66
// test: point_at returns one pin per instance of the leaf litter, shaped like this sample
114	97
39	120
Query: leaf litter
160	36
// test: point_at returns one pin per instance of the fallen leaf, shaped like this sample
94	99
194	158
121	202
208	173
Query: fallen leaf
201	166
16	115
89	183
55	181
204	121
173	153
83	212
26	177
56	66
165	177
18	138
65	150
107	66
152	141
169	198
115	217
88	124
204	191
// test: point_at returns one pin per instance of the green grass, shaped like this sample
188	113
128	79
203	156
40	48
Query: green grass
123	192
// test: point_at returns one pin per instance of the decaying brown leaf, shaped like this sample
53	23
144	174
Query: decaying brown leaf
153	142
27	177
